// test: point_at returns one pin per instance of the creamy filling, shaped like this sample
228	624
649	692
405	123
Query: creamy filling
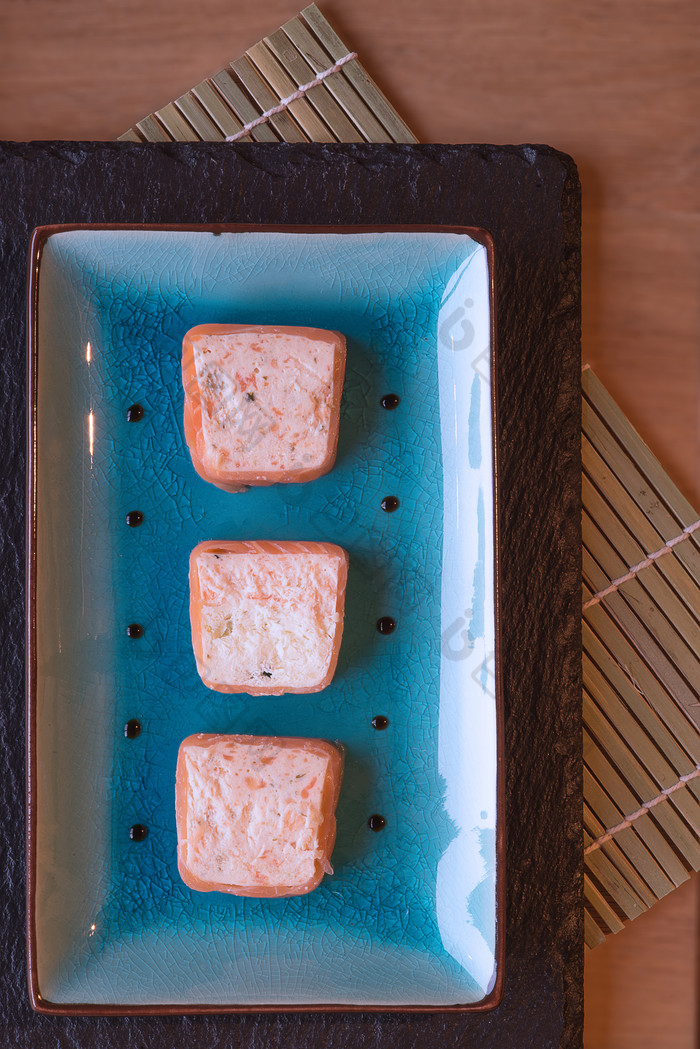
254	813
266	400
267	620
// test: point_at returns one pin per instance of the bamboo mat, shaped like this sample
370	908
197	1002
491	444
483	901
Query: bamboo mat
641	672
301	84
641	570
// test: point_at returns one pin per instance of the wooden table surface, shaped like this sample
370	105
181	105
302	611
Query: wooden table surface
617	85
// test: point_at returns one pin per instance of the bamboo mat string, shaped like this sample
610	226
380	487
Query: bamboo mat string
636	569
299	93
629	820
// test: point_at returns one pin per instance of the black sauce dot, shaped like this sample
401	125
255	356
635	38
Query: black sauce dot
386	625
376	822
134	518
390	503
134	414
389	400
380	721
134	630
138	832
132	729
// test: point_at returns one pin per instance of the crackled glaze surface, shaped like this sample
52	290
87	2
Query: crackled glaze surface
409	915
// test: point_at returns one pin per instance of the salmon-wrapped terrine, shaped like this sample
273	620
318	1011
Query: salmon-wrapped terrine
256	814
262	404
267	617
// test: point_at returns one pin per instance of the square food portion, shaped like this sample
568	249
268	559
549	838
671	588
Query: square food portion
262	404
256	814
266	617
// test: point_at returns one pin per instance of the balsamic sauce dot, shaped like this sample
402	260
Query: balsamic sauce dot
138	832
134	518
132	729
389	400
386	625
134	630
380	721
390	503
376	823
134	414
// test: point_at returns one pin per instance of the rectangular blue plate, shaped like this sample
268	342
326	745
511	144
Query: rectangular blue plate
411	917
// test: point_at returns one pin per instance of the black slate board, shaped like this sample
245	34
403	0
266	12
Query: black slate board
528	198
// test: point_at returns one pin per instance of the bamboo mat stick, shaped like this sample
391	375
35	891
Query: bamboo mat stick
637	526
653	491
629	673
647	597
631	714
621	428
600	906
656	828
198	119
283	86
338	85
300	72
679	815
630	843
593	935
365	87
265	99
618	858
604	871
242	106
622	738
206	95
664	664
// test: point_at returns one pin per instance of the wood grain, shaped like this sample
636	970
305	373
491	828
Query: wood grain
615	84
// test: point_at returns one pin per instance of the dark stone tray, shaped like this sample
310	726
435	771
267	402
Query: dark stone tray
528	199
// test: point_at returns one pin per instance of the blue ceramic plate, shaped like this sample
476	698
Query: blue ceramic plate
409	918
